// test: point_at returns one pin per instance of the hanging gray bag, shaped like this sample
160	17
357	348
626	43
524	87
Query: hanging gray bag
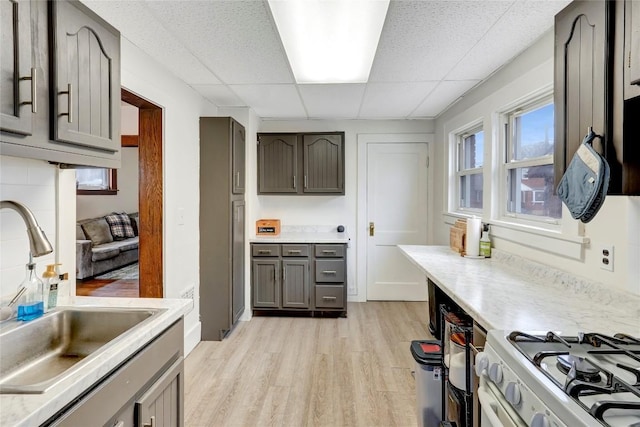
584	184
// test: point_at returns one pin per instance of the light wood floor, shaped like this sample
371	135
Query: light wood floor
284	371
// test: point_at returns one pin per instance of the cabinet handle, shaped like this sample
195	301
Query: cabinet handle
264	251
295	251
151	423
238	179
329	272
326	251
33	102
305	181
69	93
294	181
284	275
330	298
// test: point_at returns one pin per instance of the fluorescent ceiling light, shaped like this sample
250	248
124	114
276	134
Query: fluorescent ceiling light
330	41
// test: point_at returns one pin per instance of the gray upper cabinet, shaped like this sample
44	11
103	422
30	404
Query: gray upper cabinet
301	163
581	58
86	64
277	163
323	163
238	142
60	91
17	71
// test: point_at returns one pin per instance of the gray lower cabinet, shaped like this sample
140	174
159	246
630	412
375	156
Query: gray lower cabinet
632	48
298	277
146	391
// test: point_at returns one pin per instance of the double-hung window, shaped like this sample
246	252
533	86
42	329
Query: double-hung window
470	156
528	165
98	181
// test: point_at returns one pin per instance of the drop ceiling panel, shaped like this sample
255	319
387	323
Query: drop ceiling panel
392	100
332	100
424	40
235	39
136	23
220	95
446	93
272	101
523	23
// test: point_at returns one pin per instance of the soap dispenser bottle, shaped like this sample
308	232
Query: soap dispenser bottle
485	242
31	305
51	280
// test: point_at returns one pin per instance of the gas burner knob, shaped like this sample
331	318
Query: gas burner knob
512	393
482	363
540	420
495	373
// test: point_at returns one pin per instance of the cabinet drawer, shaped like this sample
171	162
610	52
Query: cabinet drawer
330	270
295	250
330	251
330	296
265	250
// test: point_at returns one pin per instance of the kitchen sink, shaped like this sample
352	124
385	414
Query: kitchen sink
38	354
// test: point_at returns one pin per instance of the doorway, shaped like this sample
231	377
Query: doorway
149	222
393	201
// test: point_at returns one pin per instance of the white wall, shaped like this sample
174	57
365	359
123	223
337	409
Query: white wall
326	210
618	222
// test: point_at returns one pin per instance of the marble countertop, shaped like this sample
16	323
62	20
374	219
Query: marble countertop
34	409
303	237
510	293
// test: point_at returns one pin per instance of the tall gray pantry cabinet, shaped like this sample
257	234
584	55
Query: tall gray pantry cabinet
222	217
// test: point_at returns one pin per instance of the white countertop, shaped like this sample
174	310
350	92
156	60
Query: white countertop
511	293
34	409
303	237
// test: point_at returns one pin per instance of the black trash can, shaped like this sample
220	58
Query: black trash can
429	371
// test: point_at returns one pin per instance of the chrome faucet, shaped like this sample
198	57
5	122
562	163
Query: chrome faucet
37	240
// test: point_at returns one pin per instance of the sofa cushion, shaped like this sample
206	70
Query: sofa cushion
102	253
80	233
129	244
97	231
120	225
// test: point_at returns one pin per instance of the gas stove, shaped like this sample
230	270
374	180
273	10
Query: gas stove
547	379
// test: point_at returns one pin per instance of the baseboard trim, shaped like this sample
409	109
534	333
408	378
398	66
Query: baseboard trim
192	338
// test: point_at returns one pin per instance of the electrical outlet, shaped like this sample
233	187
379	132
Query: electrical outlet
187	293
606	257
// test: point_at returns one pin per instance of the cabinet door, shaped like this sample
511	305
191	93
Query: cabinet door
265	283
18	78
238	144
581	91
632	47
86	78
323	163
162	404
295	284
237	259
277	164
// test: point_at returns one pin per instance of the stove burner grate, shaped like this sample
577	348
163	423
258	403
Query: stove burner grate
584	371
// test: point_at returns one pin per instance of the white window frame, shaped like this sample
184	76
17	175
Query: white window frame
459	172
507	119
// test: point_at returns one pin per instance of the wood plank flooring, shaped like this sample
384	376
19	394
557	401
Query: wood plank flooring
108	288
291	371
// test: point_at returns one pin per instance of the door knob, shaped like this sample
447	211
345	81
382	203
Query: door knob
372	229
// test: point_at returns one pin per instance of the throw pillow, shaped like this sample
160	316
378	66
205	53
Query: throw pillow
120	225
134	222
98	231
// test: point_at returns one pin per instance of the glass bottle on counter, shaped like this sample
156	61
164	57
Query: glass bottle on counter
31	304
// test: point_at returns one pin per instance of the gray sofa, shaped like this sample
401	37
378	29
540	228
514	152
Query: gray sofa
98	251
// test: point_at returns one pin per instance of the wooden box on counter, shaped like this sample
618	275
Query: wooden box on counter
268	227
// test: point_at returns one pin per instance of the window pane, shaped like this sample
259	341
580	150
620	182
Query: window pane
531	192
472	151
471	191
533	136
92	179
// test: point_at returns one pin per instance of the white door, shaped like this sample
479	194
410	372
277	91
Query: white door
396	215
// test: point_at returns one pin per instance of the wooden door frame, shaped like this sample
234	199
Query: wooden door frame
150	195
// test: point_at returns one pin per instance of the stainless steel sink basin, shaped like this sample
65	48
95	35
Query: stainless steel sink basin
36	355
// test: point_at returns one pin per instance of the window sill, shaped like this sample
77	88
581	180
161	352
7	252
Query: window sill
534	237
96	192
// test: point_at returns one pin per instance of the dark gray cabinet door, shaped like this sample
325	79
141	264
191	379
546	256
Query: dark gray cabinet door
18	77
581	85
632	47
162	405
238	150
86	78
277	164
295	283
323	164
237	259
265	283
